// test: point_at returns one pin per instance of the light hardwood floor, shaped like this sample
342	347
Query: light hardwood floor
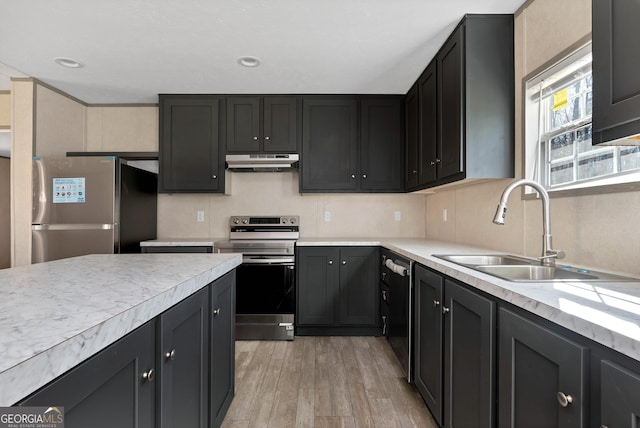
323	382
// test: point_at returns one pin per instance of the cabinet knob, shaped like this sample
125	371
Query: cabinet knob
353	176
384	325
603	426
384	295
445	310
364	176
216	312
436	303
171	355
384	276
432	163
267	138
149	375
344	262
215	177
255	138
437	160
564	399
330	262
415	171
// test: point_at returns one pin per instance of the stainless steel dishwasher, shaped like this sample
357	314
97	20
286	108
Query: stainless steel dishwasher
396	296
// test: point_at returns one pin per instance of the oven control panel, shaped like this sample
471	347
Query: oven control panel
289	220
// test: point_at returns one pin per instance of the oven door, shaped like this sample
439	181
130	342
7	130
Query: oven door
265	299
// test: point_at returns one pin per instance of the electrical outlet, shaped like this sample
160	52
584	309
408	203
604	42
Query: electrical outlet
200	216
397	216
445	215
327	216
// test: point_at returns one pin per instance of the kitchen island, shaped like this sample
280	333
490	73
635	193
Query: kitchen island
56	315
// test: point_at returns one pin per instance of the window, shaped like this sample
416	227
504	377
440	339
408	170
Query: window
558	148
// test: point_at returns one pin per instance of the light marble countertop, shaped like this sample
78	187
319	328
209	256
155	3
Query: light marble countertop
605	312
55	315
181	242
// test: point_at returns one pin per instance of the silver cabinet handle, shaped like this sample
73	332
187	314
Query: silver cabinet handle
215	177
330	262
364	176
344	262
432	163
564	399
353	176
149	375
216	312
267	138
436	303
255	138
445	309
171	355
603	426
415	171
384	295
384	325
384	276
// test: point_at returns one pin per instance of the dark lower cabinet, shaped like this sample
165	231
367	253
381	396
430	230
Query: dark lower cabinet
222	345
542	376
183	363
337	290
428	370
620	396
114	388
176	371
454	351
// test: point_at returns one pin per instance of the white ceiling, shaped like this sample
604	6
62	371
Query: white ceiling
134	49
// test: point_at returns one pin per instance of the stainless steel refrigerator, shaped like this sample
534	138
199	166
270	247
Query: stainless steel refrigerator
91	205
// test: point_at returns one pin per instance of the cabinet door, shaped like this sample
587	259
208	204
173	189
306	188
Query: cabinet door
536	366
223	349
243	124
317	285
428	127
108	390
280	124
451	87
616	87
191	149
469	358
358	300
329	145
381	145
183	363
620	396
428	339
411	130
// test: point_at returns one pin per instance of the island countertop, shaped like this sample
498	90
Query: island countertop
55	315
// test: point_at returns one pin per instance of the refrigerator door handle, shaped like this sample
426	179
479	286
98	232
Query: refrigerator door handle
80	226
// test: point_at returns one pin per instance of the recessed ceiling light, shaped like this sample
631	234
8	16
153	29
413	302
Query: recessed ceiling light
249	61
67	62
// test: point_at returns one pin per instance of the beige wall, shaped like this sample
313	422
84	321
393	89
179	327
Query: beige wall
60	124
122	128
5	110
5	213
596	230
352	215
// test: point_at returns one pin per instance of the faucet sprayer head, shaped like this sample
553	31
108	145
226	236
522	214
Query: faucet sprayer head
501	213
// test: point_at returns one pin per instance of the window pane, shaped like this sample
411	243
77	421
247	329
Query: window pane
629	158
583	137
561	173
561	146
596	166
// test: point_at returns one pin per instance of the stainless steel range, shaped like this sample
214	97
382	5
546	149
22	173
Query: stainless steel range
265	281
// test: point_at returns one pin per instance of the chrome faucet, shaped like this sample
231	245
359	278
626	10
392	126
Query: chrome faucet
549	255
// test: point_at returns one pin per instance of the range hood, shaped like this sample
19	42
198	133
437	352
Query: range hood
262	162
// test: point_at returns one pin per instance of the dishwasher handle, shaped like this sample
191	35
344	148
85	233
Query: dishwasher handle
396	268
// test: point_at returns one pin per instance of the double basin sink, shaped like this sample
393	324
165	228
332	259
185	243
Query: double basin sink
522	269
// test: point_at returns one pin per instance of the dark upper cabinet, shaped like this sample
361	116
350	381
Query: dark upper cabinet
352	144
543	376
191	144
616	87
620	397
411	137
183	363
262	124
114	388
222	345
337	289
454	351
466	106
381	145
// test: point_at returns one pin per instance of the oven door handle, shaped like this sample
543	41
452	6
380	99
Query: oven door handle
252	260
